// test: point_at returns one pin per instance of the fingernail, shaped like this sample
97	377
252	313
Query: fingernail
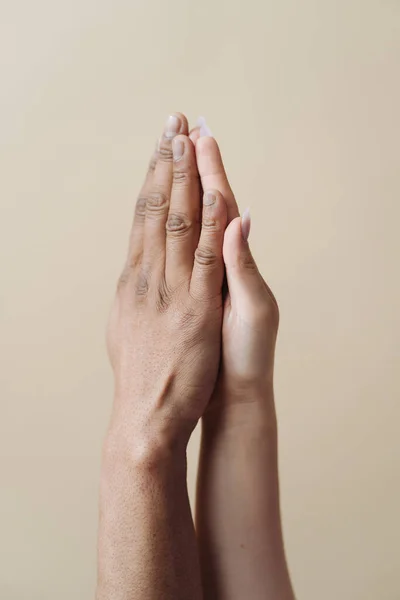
204	129
246	223
209	198
178	149
172	126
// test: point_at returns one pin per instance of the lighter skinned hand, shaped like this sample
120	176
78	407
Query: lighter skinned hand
164	333
251	315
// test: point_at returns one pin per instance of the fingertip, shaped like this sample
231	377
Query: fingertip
207	147
184	127
194	135
204	130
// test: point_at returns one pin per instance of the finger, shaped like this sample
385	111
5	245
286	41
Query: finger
194	134
245	282
212	172
135	249
208	268
176	124
183	224
200	130
158	196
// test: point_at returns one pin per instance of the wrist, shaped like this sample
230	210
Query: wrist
146	448
254	419
233	403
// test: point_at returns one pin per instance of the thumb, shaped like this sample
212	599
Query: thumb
244	279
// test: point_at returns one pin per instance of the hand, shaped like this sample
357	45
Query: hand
250	323
164	332
237	509
251	315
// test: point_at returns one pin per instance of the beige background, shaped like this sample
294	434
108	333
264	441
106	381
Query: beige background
304	98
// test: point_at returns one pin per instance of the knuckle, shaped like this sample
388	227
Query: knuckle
157	203
178	224
165	152
142	284
205	256
181	178
140	208
211	224
247	262
163	297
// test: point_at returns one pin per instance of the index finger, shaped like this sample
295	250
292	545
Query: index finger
212	171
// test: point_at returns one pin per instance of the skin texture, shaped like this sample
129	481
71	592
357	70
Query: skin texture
164	342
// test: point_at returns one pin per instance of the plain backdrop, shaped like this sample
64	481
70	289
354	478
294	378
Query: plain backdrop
304	99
